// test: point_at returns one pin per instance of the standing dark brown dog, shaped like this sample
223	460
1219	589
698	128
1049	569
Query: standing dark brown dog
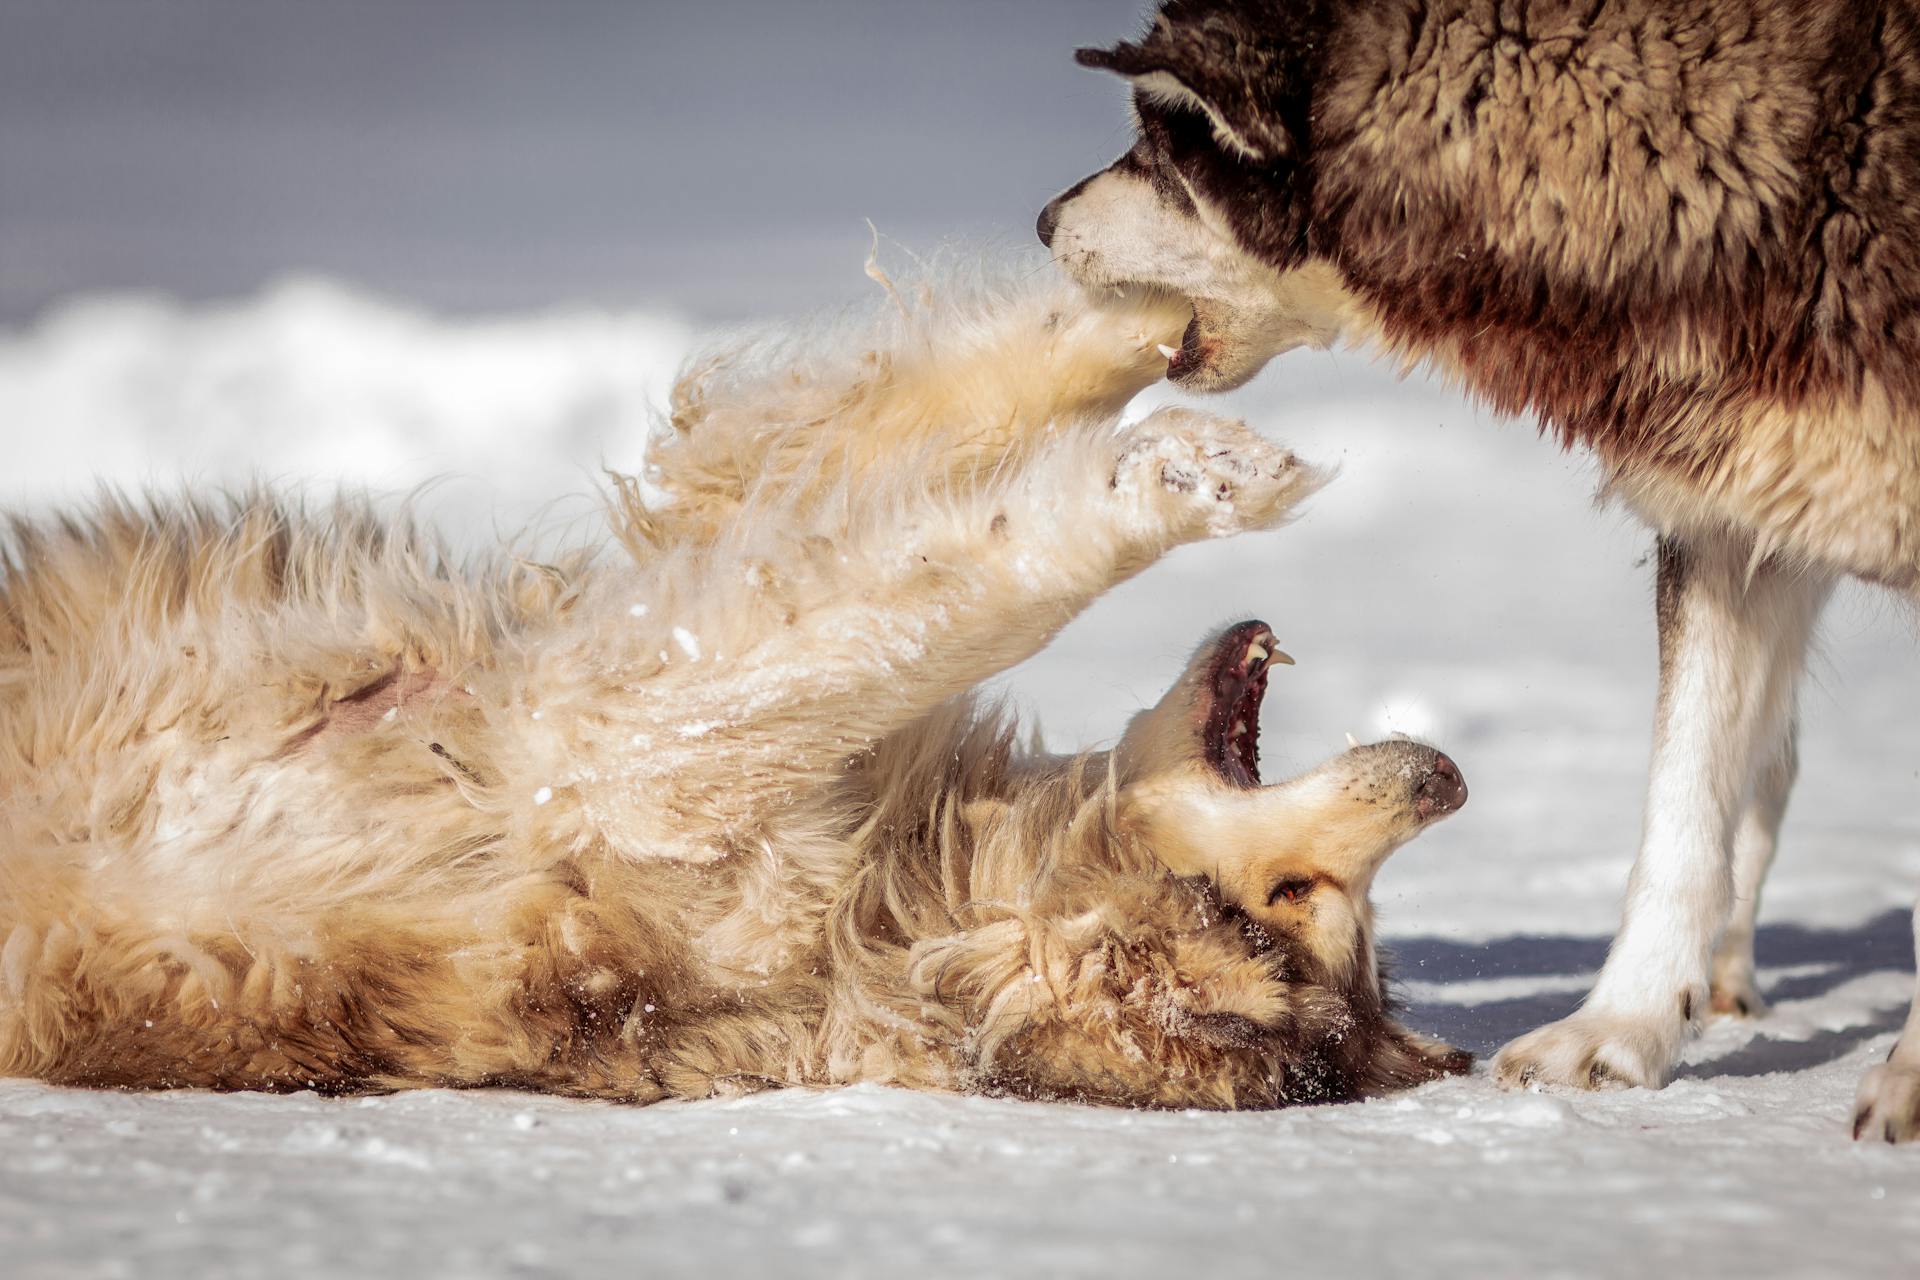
1685	233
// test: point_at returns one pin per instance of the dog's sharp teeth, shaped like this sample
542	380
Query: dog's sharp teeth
1239	728
1169	352
1256	652
1352	741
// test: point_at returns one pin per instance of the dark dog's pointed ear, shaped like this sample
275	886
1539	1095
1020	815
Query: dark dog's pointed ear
1114	59
1225	85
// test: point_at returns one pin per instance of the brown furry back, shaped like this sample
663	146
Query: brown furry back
196	821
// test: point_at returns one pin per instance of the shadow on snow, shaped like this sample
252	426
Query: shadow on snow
1884	943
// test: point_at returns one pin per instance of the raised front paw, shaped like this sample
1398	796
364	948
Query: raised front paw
1887	1108
1210	476
1592	1050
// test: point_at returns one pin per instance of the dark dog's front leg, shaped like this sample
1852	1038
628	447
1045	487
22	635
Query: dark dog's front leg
1756	838
1733	637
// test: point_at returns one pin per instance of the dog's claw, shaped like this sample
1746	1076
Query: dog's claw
1738	1004
1734	991
1888	1105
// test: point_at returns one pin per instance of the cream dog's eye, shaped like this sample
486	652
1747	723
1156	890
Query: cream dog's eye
1293	889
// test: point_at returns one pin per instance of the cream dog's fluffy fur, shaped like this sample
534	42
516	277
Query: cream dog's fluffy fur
288	802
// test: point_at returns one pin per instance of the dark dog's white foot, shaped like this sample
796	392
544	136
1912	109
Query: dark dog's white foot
1887	1108
1593	1050
1735	991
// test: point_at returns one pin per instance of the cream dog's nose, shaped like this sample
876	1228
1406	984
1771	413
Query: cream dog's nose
1444	790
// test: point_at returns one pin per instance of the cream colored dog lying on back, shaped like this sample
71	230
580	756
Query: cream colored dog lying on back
287	802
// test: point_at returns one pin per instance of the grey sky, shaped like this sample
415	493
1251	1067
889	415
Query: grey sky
717	157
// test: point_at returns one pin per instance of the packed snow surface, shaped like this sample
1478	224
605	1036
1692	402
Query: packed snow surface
1456	583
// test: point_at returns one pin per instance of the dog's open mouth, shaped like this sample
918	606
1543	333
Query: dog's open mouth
1230	735
1202	342
1192	355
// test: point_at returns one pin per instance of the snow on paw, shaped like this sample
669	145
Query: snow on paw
1887	1108
1213	476
1591	1050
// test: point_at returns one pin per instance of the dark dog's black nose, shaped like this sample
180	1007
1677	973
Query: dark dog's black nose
1043	225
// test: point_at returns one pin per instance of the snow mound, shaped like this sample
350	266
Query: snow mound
313	382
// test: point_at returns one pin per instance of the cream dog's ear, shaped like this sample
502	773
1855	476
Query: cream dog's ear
1158	814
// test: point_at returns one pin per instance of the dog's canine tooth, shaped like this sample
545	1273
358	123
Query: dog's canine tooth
1167	351
1256	652
1352	741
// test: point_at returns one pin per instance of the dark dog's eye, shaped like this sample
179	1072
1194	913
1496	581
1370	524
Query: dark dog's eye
1293	889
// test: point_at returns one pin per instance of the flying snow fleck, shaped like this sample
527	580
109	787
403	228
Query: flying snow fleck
1407	713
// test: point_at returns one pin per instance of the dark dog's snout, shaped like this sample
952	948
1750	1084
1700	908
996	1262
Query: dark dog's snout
1443	791
1049	220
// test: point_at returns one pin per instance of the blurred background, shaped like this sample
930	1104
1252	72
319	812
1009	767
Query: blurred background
466	244
711	159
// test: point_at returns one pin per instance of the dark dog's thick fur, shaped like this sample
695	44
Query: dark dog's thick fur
1683	232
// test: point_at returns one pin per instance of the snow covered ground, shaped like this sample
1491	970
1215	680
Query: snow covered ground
1456	583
